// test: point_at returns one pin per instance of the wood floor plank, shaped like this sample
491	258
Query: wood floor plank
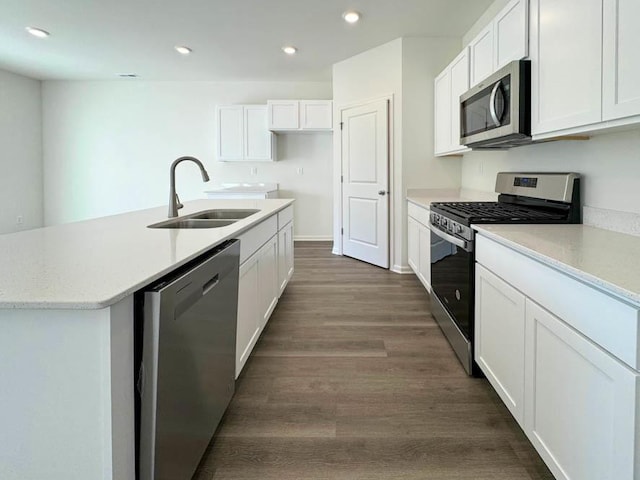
352	379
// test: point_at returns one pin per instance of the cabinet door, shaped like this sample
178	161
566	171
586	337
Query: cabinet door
285	256
248	328
413	238
316	114
621	68
442	120
481	54
424	249
459	84
580	402
499	338
267	279
283	114
257	145
566	69
230	132
511	33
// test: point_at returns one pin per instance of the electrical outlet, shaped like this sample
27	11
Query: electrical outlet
300	170
254	170
19	220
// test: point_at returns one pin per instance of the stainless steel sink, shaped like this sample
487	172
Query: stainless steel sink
235	214
207	219
182	222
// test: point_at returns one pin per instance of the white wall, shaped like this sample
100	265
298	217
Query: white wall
404	68
20	152
108	146
609	164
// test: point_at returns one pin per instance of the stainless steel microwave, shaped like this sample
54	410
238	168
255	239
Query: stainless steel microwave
496	113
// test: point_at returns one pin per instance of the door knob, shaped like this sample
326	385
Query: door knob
382	192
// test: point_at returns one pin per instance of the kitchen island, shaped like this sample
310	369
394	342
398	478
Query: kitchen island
66	332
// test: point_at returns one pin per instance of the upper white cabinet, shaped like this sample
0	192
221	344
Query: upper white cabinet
481	54
505	39
300	115
242	134
566	69
448	87
621	68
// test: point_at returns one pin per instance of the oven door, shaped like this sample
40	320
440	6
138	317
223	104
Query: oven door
452	277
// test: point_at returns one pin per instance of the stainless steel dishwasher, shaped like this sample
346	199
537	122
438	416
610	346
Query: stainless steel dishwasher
187	362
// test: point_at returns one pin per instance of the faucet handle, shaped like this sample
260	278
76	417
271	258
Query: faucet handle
178	204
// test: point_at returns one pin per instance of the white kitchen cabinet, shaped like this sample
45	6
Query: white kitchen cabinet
503	40
413	250
268	279
285	256
424	263
581	403
481	52
242	134
449	85
248	328
442	119
511	33
621	68
266	265
300	115
419	243
581	362
499	338
566	69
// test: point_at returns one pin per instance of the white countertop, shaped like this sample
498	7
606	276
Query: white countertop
95	263
605	259
424	197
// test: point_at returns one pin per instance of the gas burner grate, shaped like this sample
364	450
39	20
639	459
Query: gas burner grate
497	211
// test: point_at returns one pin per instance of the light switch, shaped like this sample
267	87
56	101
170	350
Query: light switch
299	170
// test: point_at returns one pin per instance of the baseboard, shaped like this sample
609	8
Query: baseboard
311	238
402	269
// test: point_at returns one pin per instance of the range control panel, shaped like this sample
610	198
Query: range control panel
450	226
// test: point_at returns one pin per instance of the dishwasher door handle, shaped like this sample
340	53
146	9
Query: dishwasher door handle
211	284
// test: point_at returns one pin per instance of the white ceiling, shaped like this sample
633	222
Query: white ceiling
231	39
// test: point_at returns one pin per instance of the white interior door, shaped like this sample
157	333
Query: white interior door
365	182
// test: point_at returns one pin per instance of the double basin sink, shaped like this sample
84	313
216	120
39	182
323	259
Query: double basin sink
206	219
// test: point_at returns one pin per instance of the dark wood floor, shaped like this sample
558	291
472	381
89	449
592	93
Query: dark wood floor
352	379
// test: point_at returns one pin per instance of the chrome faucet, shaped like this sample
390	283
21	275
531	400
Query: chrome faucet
174	200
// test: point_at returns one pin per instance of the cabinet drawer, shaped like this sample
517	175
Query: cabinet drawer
285	216
605	320
254	238
418	213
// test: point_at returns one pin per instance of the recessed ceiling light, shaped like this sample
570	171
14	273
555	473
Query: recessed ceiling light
127	75
289	50
37	32
183	50
351	16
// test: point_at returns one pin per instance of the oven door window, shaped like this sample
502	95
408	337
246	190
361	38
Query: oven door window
451	280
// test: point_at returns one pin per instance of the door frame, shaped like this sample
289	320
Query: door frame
337	173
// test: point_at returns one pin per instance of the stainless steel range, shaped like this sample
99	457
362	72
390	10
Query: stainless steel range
524	198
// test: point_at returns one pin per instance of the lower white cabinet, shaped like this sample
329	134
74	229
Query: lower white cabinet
285	256
581	403
499	338
266	256
419	243
248	328
577	401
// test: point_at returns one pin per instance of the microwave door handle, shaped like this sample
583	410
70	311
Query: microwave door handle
492	104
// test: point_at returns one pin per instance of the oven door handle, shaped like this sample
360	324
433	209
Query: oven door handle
465	245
